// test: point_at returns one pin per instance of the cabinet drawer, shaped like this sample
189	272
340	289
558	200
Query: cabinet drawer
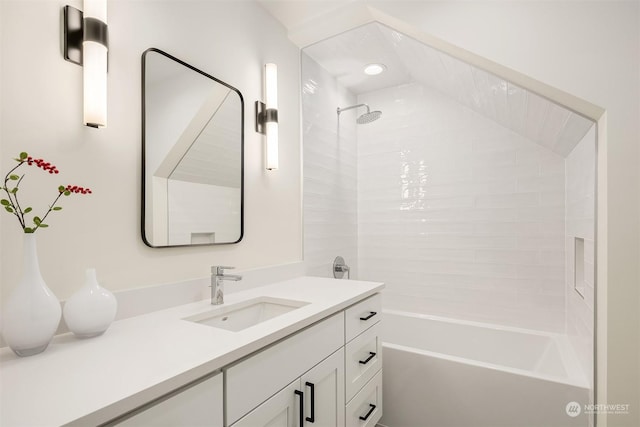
255	379
199	404
280	410
363	359
361	316
366	404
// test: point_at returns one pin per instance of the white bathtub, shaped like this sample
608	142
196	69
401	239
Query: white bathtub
439	372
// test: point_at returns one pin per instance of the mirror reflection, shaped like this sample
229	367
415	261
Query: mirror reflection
192	155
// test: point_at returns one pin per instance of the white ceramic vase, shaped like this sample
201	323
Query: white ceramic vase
31	314
90	311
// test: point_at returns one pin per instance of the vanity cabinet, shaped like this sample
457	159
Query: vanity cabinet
326	375
197	404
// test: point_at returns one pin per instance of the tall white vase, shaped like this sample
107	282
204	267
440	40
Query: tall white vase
31	314
90	311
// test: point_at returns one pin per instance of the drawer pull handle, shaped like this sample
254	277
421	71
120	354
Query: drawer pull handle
371	314
365	361
372	408
312	418
301	396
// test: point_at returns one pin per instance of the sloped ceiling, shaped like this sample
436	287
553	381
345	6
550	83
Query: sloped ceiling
408	60
214	157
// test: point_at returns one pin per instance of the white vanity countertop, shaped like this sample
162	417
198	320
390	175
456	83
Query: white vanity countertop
91	381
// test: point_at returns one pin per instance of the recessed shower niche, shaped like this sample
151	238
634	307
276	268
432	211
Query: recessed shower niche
465	196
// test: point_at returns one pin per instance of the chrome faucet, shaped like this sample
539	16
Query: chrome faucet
217	283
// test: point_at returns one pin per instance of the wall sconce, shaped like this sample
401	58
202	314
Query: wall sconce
267	115
86	44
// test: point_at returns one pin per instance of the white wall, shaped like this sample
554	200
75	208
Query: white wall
458	215
330	171
41	108
580	222
592	50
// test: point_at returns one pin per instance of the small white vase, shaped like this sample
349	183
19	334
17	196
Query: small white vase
90	311
31	315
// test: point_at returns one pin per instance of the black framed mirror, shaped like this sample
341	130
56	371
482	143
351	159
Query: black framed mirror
192	155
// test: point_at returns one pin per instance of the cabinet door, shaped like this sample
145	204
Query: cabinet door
197	405
324	392
281	410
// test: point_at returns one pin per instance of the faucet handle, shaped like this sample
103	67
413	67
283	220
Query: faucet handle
218	270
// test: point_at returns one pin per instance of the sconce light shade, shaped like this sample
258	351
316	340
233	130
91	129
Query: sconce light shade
267	115
94	47
271	86
86	44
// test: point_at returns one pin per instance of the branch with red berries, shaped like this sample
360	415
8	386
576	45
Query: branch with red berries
12	185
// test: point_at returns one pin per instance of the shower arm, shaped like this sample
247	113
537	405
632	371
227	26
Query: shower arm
340	110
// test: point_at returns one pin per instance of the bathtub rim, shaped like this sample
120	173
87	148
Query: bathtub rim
575	377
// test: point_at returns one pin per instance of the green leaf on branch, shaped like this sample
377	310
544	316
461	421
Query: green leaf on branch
4	202
37	221
28	230
14	191
23	155
43	225
57	208
66	193
14	177
27	210
61	188
8	209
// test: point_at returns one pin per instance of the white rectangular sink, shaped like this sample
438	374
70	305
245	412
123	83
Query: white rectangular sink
245	314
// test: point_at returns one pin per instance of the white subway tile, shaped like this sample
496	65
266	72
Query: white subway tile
507	257
541	183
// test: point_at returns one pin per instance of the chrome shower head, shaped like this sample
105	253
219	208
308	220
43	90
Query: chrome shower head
367	117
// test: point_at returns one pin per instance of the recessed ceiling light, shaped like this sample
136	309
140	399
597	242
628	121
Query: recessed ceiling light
374	69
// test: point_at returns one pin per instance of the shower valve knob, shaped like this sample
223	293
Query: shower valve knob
340	267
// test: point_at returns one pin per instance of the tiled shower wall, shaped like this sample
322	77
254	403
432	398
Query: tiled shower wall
458	215
329	150
580	222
